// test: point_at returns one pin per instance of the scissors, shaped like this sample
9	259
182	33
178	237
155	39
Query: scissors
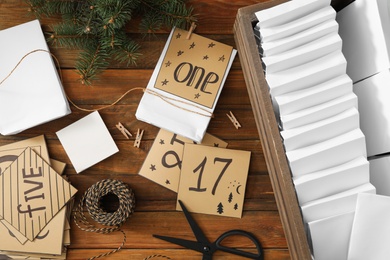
203	246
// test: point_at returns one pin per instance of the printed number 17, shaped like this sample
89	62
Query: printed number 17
201	168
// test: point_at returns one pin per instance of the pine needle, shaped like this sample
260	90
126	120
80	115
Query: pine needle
97	28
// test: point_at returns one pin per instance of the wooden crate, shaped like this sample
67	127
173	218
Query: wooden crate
277	164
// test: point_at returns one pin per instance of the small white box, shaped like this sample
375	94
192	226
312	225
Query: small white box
87	141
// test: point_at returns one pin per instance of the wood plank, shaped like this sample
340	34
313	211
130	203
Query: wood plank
142	225
114	83
126	114
258	196
214	25
130	254
214	17
150	50
155	205
130	159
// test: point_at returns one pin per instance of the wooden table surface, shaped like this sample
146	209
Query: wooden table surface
155	208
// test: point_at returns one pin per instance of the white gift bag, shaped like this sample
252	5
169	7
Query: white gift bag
182	113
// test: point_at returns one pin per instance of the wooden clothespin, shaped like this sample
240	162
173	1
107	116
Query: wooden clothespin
123	130
234	120
192	28
138	138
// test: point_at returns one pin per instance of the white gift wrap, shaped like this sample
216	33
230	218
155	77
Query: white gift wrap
320	131
327	154
330	237
379	174
33	93
289	11
281	32
370	234
334	205
332	180
364	44
300	37
373	101
173	113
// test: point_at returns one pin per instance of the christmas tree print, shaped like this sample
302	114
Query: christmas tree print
230	197
220	208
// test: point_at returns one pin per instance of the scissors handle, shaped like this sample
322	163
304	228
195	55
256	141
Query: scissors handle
258	256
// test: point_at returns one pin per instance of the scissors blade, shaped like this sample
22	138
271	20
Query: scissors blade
195	228
182	242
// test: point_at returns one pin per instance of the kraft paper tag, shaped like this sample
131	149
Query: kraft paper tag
33	193
164	160
213	180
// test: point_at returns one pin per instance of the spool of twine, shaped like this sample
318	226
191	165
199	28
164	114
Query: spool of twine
91	200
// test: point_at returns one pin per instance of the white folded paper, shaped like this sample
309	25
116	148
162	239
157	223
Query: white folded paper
319	112
336	204
380	174
332	180
374	106
308	74
296	26
320	131
384	13
370	236
300	38
330	237
87	141
312	96
364	44
32	94
302	54
327	154
289	11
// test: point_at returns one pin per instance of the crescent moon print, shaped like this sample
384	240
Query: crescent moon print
238	189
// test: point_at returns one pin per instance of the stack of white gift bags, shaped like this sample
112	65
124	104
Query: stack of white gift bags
317	109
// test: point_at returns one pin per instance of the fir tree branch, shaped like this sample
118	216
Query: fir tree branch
115	14
151	23
127	53
98	27
91	61
66	35
51	7
173	15
36	7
